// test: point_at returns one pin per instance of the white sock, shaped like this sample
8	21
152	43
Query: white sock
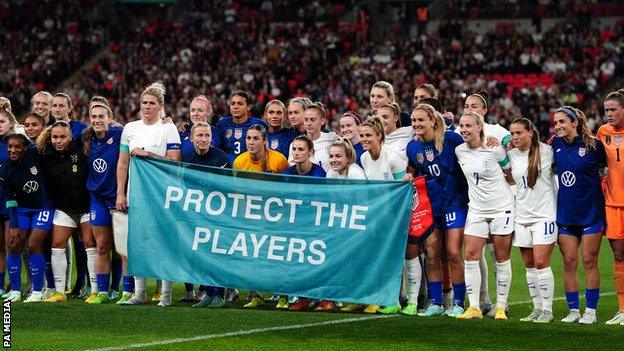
546	282
532	284
167	285
483	284
472	276
503	283
139	286
59	268
91	253
414	275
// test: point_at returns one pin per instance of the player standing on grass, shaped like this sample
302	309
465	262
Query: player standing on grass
433	155
494	135
379	162
579	158
101	142
30	212
203	154
490	212
230	132
149	135
536	227
7	128
612	137
64	165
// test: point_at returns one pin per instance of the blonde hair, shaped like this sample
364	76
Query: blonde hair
480	122
156	89
387	87
439	127
9	115
376	125
198	125
279	104
47	94
348	148
5	104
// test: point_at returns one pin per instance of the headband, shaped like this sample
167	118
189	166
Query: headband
568	112
353	115
302	102
482	99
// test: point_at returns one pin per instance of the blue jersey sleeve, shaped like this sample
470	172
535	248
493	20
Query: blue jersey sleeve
218	139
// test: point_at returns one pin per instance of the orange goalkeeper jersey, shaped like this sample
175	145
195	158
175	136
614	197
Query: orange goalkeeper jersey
613	142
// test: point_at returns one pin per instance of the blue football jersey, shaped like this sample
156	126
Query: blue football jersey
230	137
281	140
102	160
446	184
579	200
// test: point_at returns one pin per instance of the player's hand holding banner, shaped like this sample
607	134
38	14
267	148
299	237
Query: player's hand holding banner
312	237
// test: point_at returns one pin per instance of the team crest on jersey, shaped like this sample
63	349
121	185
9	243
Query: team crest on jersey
93	214
487	165
228	133
420	158
618	139
74	158
109	141
238	133
429	154
34	170
582	151
274	144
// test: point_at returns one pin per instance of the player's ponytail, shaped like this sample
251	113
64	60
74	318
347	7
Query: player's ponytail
534	169
617	95
376	124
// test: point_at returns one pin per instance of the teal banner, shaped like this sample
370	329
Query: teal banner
311	237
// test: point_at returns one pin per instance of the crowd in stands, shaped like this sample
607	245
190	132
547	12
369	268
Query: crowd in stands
43	43
527	74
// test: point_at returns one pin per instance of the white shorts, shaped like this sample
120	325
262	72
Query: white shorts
70	220
539	233
483	227
120	232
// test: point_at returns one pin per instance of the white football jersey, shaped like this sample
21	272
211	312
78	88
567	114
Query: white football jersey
488	192
539	203
399	139
353	172
492	130
389	162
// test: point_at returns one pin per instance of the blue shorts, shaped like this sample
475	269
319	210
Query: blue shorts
29	219
99	213
579	230
451	220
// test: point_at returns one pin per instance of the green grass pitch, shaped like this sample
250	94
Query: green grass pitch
77	326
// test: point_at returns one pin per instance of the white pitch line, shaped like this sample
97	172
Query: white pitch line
287	327
239	333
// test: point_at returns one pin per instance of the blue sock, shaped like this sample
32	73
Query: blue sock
103	281
459	294
115	273
435	289
49	275
128	283
188	287
2	277
81	263
14	266
37	270
573	300
592	295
